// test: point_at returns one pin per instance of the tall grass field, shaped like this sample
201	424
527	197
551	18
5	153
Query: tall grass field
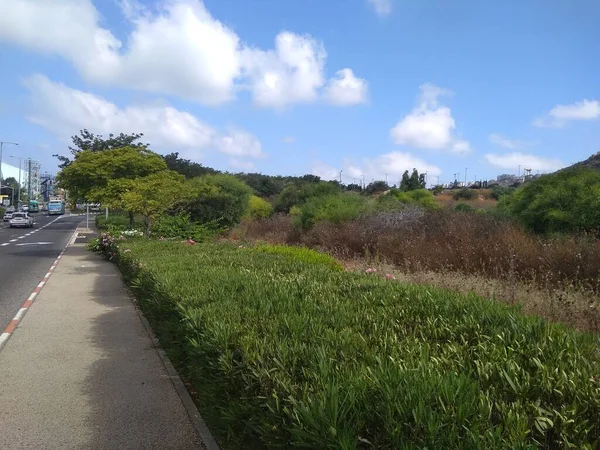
285	349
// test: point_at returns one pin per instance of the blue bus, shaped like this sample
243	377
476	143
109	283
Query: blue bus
56	207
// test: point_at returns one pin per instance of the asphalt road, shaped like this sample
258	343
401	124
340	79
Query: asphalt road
26	254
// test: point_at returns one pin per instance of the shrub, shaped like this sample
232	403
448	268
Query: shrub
297	193
260	208
219	198
465	194
463	207
303	254
287	353
336	208
118	222
421	197
181	227
564	202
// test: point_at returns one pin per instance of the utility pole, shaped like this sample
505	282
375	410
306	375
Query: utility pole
29	180
340	180
519	170
20	170
1	148
386	178
363	183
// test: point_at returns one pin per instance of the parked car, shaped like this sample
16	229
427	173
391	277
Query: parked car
21	219
7	216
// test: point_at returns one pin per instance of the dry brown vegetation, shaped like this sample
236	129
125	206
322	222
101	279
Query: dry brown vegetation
558	278
482	201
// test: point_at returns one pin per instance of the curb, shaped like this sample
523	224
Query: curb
12	325
189	405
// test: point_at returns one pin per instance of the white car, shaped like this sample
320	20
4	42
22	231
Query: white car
21	219
7	216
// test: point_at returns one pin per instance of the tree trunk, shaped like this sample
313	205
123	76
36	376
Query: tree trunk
131	219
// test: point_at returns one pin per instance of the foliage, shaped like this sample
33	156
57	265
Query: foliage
217	198
117	222
465	194
149	196
185	167
413	182
91	142
376	187
87	176
181	227
303	254
567	201
438	189
421	197
335	208
463	207
287	353
295	194
497	192
260	208
106	245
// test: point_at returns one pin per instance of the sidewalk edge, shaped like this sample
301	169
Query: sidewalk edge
184	395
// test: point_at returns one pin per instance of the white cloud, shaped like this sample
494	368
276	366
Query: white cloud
63	111
509	143
346	89
525	160
430	125
292	73
561	114
381	7
288	139
178	49
393	164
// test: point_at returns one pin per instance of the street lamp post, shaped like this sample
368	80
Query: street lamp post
20	168
1	148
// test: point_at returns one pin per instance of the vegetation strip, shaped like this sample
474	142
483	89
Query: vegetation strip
285	349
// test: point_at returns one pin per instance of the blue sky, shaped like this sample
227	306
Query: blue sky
368	87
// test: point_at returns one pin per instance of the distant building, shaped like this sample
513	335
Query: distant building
48	188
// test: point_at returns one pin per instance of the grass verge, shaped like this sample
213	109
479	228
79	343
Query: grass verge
287	351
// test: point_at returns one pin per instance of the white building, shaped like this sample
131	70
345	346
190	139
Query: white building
8	171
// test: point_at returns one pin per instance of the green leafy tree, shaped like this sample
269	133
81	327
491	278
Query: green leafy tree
297	193
260	208
150	196
218	198
185	167
414	181
376	187
405	183
87	141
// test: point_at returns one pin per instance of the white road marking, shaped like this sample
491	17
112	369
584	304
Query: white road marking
34	243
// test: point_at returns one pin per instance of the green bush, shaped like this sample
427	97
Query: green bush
118	222
335	208
297	193
260	208
497	192
219	198
181	227
287	353
421	197
463	207
564	202
465	194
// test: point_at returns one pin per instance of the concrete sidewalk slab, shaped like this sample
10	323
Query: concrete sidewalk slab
81	372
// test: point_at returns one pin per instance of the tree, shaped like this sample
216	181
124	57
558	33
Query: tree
219	198
87	177
414	182
405	183
260	208
150	196
354	187
87	141
10	188
376	187
185	167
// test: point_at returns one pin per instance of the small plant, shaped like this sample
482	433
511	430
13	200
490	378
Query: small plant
465	194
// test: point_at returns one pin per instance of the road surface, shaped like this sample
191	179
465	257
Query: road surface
26	254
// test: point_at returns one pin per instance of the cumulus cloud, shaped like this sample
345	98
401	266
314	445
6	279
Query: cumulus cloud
61	110
393	164
430	125
509	143
381	7
561	114
177	48
525	160
345	89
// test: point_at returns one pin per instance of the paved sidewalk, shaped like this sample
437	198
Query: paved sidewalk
81	372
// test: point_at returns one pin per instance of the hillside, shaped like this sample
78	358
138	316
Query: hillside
593	162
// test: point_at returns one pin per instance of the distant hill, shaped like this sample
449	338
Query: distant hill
593	162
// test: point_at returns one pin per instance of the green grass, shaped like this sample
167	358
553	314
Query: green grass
118	222
285	351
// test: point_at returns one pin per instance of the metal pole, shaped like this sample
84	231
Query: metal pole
87	216
107	213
